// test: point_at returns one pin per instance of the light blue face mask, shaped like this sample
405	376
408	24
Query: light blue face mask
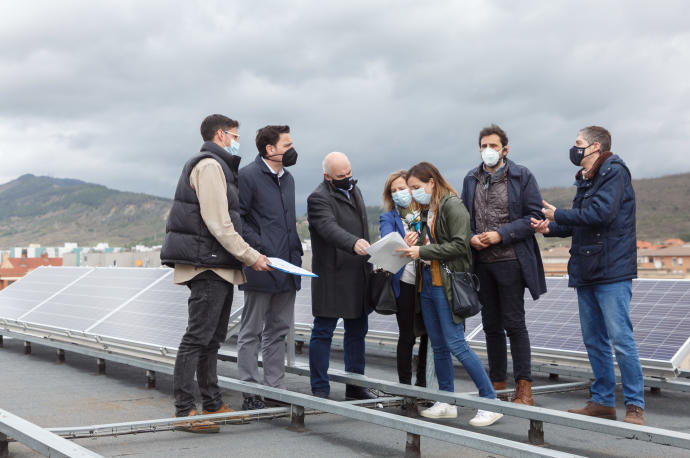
402	198
421	196
234	148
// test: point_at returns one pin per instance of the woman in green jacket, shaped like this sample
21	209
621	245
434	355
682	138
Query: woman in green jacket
444	241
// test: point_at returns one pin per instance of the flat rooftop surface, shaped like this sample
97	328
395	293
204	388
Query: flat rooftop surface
48	394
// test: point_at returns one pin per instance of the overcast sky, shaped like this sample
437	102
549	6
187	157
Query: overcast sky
115	94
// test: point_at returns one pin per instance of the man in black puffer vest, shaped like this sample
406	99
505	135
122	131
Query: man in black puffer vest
204	245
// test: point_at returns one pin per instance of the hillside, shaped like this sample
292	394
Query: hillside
663	206
52	211
663	209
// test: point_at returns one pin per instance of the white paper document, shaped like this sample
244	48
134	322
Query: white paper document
383	253
286	267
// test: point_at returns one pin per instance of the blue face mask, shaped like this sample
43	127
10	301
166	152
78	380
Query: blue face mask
421	196
402	198
234	148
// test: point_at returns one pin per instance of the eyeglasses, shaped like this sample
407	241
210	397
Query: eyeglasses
227	132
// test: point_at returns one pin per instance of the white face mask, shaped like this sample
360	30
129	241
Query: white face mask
421	196
490	156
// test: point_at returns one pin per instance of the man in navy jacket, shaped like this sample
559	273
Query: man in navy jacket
267	208
603	262
501	197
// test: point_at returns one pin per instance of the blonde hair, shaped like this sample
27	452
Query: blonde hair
424	172
388	203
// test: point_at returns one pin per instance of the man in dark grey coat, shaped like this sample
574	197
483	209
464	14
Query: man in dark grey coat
339	236
267	208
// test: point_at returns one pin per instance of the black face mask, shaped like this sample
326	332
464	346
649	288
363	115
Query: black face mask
577	154
345	184
289	157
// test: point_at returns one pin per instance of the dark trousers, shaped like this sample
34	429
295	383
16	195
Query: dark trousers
320	349
406	338
209	311
502	295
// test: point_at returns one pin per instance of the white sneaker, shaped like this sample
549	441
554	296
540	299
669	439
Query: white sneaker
440	410
485	418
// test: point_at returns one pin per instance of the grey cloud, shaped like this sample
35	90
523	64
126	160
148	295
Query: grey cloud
119	90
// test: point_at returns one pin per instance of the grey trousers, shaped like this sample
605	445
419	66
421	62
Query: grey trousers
266	320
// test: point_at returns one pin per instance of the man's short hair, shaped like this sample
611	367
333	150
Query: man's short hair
493	129
597	134
211	124
269	135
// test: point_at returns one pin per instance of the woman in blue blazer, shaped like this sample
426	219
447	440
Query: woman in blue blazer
401	214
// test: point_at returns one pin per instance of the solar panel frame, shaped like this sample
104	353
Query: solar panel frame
668	300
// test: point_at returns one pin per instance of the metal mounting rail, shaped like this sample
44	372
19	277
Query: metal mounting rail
300	401
490	444
680	383
160	424
535	414
37	438
614	428
296	369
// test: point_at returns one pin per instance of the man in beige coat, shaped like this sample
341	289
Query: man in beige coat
204	245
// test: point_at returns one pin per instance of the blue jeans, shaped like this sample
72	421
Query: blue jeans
320	349
446	337
605	321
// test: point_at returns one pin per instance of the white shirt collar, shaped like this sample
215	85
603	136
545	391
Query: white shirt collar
280	173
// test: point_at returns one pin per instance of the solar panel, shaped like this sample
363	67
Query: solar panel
659	311
42	283
145	306
158	316
92	297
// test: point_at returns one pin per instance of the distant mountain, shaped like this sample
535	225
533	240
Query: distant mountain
663	206
51	211
663	209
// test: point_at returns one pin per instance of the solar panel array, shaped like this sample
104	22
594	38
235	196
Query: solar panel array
659	311
145	306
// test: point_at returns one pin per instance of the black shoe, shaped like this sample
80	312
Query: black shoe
352	394
321	394
253	403
268	402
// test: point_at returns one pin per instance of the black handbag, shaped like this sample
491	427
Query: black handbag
465	293
381	295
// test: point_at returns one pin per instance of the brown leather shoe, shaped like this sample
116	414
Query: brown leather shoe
634	414
224	409
501	386
199	426
593	409
523	393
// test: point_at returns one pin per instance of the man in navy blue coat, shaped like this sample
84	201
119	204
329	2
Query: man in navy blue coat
267	208
603	262
501	197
